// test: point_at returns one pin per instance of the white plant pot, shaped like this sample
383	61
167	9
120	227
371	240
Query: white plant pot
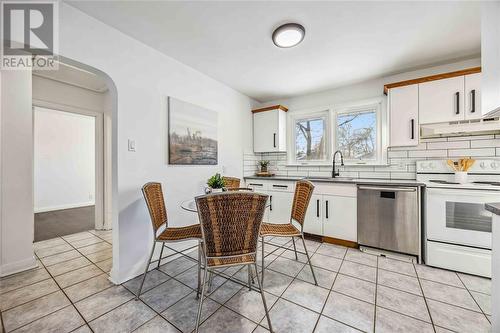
461	177
216	190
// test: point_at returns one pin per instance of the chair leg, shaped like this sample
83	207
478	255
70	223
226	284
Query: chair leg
161	253
210	282
198	317
309	259
263	298
294	248
249	278
145	271
199	271
262	262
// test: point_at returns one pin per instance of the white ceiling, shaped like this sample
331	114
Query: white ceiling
345	42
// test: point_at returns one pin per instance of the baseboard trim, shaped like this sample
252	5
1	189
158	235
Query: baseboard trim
18	266
61	207
331	240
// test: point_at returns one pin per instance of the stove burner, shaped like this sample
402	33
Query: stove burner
443	182
488	183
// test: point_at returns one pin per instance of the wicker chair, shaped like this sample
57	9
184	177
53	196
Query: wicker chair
162	233
230	224
303	193
233	184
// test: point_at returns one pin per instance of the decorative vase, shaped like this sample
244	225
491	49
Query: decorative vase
461	177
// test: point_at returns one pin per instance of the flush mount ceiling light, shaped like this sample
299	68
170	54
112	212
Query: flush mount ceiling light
288	35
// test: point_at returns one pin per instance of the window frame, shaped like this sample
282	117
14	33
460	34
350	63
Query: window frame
381	128
315	113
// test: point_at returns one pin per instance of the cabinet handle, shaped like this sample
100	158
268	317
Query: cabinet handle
473	97
326	208
270	202
317	208
253	184
280	186
274	140
412	122
457	99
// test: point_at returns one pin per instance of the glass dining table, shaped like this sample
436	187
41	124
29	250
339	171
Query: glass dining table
190	205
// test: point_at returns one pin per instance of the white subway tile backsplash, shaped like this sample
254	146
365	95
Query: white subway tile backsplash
448	145
428	153
476	152
485	143
401	160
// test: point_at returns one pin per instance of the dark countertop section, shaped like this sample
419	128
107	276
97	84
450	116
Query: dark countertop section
493	207
346	180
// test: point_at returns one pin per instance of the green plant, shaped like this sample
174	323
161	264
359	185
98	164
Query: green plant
216	181
264	163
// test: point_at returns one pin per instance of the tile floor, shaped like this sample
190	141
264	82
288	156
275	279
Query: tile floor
357	292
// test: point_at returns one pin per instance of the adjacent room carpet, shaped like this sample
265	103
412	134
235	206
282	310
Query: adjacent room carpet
63	222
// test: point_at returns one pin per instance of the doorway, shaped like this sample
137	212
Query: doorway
69	116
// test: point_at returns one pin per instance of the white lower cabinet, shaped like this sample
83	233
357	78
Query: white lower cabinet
314	218
332	211
340	220
280	207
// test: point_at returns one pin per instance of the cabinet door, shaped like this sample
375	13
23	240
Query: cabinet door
340	219
281	206
313	222
473	96
403	104
265	131
441	100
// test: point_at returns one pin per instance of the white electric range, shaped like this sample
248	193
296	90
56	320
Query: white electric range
457	227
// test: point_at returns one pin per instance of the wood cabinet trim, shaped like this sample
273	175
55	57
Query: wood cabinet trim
271	108
331	240
435	77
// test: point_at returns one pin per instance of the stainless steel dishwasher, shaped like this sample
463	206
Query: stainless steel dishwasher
389	218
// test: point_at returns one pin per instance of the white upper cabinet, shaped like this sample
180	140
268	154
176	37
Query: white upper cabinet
473	96
269	129
404	121
441	100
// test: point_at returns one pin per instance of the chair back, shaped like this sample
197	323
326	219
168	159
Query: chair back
303	193
153	195
231	182
230	222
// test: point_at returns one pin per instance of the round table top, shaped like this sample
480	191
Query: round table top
190	205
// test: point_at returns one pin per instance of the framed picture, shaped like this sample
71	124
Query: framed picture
192	134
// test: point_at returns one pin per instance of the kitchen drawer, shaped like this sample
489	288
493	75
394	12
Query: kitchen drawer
344	190
257	185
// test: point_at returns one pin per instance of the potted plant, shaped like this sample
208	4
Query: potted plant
216	183
263	165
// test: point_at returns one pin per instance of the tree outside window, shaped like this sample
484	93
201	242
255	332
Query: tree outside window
310	139
357	135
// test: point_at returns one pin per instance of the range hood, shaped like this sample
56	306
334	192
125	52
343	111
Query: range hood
490	124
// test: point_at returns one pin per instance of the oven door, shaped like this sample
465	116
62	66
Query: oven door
459	217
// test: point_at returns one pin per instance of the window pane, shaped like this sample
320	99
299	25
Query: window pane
310	139
356	135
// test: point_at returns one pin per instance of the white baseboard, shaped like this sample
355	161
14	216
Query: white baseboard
69	206
18	266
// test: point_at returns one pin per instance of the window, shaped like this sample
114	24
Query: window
358	134
310	139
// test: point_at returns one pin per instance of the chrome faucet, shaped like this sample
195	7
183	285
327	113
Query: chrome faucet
337	173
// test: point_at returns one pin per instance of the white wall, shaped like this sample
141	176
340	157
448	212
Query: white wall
143	78
367	89
64	160
16	187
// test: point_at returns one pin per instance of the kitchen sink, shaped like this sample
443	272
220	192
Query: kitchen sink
331	179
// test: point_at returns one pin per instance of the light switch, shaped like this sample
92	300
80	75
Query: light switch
131	145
